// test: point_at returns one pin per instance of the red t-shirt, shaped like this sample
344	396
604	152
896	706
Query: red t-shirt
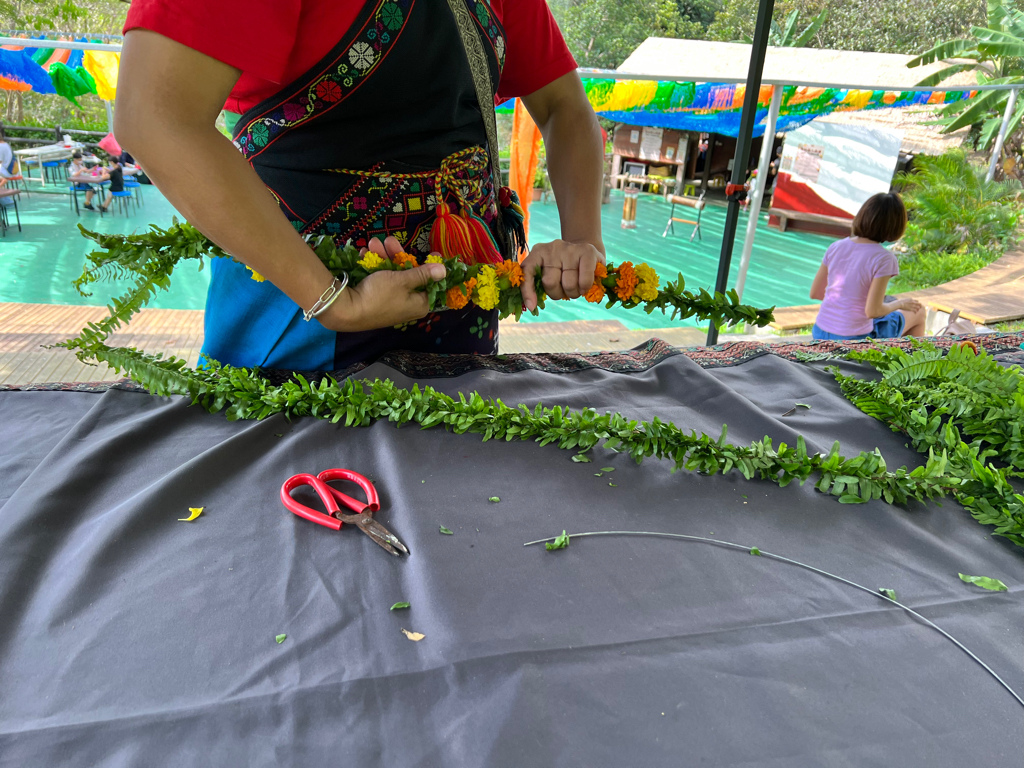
274	42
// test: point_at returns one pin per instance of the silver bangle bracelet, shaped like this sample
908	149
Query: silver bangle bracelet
328	297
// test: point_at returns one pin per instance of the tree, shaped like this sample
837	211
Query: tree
888	26
602	33
996	54
79	17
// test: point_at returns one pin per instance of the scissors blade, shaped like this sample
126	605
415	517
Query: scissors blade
385	538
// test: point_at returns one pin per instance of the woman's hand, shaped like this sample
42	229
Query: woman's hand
566	269
385	298
907	305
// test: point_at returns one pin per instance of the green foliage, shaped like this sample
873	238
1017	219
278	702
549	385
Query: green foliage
962	406
894	26
787	36
924	269
954	209
602	33
995	53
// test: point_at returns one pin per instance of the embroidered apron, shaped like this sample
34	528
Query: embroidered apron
395	95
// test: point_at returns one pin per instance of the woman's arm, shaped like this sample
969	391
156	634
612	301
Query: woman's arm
820	283
876	306
576	167
168	100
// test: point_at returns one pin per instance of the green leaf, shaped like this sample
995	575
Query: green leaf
494	499
398	606
890	593
281	638
598	474
561	542
607	469
446	531
849	498
581	458
613	485
995	585
803	405
755	551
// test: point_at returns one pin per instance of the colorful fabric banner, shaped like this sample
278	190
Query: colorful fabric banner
103	66
716	107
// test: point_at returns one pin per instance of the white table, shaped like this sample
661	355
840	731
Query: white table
46	154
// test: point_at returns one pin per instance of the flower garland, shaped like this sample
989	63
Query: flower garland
961	409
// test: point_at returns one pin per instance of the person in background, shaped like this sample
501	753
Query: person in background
6	157
112	173
854	274
79	174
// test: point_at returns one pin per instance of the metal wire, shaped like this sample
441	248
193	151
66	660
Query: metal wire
780	558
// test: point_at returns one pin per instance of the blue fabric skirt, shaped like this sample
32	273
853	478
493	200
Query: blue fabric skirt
886	327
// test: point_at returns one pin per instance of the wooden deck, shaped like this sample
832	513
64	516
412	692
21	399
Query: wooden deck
991	295
26	329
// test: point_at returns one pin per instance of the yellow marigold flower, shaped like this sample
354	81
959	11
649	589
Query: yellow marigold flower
435	258
404	260
370	261
487	293
512	271
626	281
256	275
647	289
458	296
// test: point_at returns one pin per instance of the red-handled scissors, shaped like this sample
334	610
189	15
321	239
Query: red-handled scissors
362	512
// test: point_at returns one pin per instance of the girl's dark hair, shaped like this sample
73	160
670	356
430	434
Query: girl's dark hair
882	218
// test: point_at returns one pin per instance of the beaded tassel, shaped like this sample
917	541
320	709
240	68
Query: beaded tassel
512	218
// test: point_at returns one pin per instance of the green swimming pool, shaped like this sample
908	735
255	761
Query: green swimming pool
38	264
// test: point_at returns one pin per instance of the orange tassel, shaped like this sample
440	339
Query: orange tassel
450	235
485	250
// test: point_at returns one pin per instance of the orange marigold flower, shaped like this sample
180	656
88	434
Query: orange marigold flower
404	260
458	296
626	282
595	294
511	270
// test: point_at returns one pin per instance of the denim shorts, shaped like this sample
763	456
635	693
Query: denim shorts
886	327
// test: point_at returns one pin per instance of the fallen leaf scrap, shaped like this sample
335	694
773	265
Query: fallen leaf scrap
995	585
281	638
494	499
581	458
414	636
446	531
400	605
559	543
195	512
890	593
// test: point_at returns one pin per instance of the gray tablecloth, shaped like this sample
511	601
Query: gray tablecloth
128	638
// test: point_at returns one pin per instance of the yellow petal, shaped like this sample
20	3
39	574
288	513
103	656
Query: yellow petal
195	512
414	636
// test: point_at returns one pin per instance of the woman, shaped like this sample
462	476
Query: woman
855	273
364	122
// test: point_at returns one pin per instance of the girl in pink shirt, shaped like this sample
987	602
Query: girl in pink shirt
854	274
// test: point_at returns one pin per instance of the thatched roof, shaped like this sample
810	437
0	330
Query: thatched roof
920	135
705	61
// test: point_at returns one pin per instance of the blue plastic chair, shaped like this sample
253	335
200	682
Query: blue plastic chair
130	183
123	200
50	169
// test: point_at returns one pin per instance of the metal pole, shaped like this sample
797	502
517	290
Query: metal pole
767	144
743	141
110	116
998	148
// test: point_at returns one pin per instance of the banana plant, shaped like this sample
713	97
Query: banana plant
996	54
